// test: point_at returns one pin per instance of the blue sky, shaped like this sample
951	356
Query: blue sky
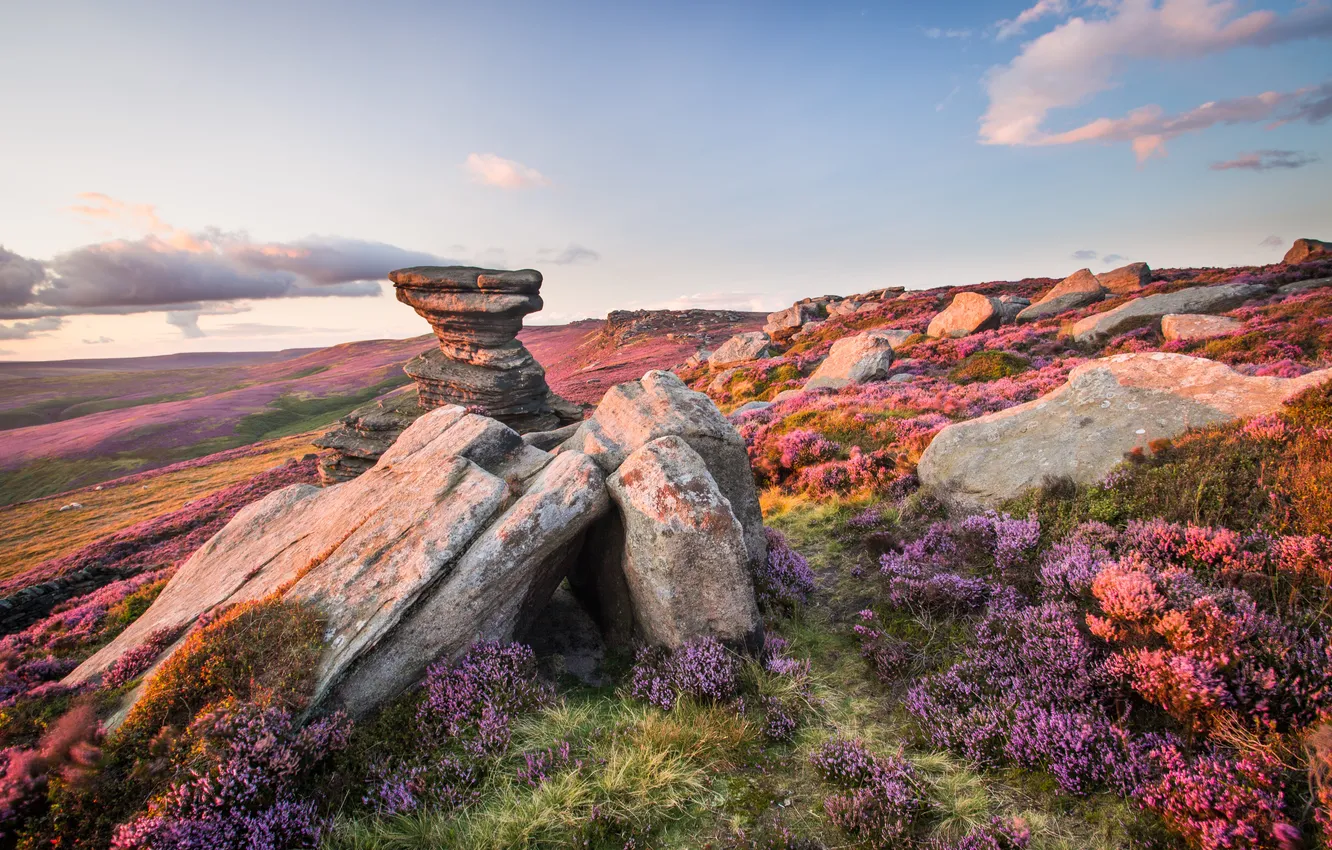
232	176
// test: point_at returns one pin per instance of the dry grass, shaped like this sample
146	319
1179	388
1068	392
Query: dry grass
32	532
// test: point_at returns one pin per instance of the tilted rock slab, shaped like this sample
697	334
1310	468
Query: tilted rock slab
1077	290
1083	429
968	313
855	360
458	532
1148	311
685	564
741	348
1126	279
1186	326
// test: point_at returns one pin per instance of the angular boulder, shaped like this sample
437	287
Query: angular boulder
741	348
855	360
1083	429
1185	327
1126	279
1147	312
1308	249
968	313
1010	306
1073	292
790	318
458	519
684	561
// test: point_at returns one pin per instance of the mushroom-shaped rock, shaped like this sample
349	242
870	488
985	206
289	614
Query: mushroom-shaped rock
968	313
1126	279
1308	249
1083	429
1077	290
684	556
1147	311
854	360
1185	326
741	348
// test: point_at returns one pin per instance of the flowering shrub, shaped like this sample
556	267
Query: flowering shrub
134	662
477	698
68	750
881	798
786	579
702	669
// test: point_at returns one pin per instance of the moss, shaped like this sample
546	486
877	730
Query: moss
985	366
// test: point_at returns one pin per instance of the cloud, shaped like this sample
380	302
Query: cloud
1265	160
1272	241
575	253
5	352
936	32
249	329
1148	129
757	302
1009	28
170	269
495	170
101	340
188	320
18	277
1112	258
28	330
1085	56
941	105
1085	254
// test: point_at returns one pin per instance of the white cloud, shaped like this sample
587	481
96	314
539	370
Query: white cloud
1266	160
494	170
101	340
1084	56
1009	28
571	255
937	32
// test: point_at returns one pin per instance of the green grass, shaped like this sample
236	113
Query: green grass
294	414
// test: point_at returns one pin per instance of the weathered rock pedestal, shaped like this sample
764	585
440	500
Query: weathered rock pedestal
476	314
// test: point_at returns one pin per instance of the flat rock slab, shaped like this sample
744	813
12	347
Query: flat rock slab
855	360
1147	311
968	313
1083	429
1185	327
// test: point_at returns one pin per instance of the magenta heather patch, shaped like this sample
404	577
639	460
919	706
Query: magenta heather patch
476	698
702	669
786	579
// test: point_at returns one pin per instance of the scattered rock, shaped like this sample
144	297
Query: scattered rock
844	307
1077	290
747	407
1083	429
1307	249
790	318
741	348
785	394
968	313
547	440
1126	279
699	357
1305	286
1147	312
1186	327
1010	306
854	360
72	506
902	378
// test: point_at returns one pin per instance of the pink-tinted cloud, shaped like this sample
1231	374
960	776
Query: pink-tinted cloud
1043	8
1266	160
494	170
1085	56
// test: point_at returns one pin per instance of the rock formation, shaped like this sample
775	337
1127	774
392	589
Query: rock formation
741	348
476	315
855	360
1184	326
1083	429
1077	290
365	434
1126	279
1147	312
968	313
1308	249
790	319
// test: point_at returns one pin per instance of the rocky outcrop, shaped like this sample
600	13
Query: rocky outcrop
476	315
1010	307
1308	249
1147	312
684	561
855	360
790	319
356	444
1083	429
1077	290
741	348
1185	327
1126	279
968	313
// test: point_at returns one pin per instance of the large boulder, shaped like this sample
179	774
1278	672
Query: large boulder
1010	307
741	348
357	441
791	318
1148	311
684	559
1308	249
458	532
1184	327
968	313
1083	429
635	413
855	360
1126	279
1077	290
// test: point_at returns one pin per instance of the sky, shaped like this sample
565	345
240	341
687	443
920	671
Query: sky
241	176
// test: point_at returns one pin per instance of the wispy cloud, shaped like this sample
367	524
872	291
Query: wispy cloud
188	320
1085	254
571	255
943	104
938	32
1084	56
101	340
734	300
1009	28
1272	241
493	170
1266	160
28	330
1112	258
